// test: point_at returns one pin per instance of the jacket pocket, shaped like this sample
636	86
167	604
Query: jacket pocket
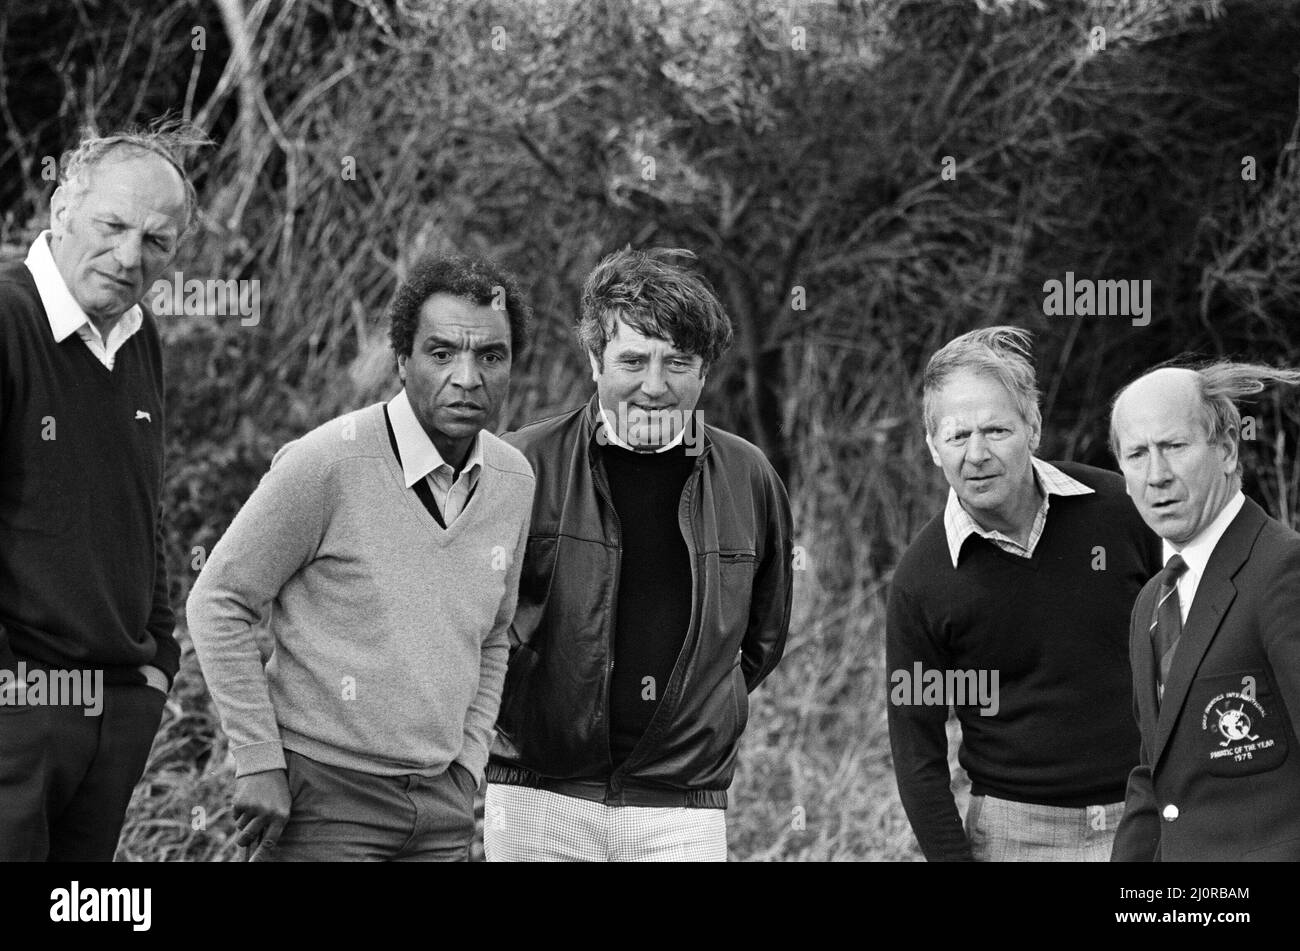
735	577
535	577
1241	728
741	695
1287	850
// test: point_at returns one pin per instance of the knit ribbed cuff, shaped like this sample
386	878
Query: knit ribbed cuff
258	757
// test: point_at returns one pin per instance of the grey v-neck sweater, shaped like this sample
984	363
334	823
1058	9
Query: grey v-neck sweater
388	632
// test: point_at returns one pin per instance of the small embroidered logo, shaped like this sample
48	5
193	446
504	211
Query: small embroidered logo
141	414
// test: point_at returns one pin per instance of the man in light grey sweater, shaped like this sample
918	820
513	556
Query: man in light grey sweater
382	552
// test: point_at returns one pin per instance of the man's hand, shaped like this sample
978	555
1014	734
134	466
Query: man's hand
261	807
154	677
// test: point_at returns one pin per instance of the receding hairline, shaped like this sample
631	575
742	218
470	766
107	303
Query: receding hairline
1199	411
120	154
1163	375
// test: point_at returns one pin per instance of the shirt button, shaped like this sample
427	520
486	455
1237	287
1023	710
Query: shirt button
1170	813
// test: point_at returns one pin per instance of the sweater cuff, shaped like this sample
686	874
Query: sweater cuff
474	758
258	757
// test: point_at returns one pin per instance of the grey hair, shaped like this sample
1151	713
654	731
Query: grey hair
1003	353
169	139
1219	385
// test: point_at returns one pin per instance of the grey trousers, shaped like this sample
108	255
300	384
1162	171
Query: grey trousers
342	815
1004	831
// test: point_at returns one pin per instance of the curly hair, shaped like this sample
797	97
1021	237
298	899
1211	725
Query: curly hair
655	295
474	279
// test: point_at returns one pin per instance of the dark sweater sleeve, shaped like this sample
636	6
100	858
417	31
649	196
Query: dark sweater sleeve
918	735
161	624
162	619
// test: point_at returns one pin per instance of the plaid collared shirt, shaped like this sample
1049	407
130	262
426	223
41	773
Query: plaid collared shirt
960	526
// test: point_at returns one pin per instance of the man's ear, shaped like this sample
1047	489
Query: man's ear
401	368
934	452
1230	447
59	203
595	366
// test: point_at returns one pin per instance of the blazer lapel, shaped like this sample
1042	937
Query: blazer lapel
1214	595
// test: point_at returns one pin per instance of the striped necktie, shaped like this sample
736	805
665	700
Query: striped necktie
1167	625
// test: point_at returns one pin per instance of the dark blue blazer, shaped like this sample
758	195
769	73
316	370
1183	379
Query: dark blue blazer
1219	776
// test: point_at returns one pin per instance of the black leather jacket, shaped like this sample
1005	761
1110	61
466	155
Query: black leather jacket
553	729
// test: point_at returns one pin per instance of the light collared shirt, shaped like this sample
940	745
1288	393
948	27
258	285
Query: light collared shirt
960	526
611	431
421	460
1197	552
65	314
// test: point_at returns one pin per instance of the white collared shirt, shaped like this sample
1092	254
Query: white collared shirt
421	460
1197	552
65	314
959	525
611	431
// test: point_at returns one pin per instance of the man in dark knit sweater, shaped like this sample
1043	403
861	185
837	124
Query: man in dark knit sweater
654	597
1013	606
83	589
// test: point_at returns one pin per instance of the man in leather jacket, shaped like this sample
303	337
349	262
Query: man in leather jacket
655	592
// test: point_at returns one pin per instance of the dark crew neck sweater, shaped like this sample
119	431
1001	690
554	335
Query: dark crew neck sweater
1055	628
654	586
82	581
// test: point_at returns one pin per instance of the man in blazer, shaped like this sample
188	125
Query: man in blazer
1215	637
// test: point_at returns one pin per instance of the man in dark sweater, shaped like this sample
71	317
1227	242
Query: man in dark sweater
83	589
1013	607
654	597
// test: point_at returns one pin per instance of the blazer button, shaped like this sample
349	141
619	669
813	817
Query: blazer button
1170	813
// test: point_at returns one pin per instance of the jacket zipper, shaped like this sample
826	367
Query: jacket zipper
602	488
688	536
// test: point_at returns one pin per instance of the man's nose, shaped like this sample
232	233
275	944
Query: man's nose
126	251
465	372
977	448
1158	471
653	383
